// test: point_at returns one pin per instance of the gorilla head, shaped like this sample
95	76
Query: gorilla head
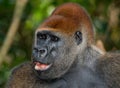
59	39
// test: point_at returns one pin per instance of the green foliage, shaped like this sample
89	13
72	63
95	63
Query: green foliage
36	12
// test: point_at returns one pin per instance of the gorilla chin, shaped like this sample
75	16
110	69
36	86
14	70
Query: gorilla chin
40	69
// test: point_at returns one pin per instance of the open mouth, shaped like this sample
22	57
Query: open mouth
41	66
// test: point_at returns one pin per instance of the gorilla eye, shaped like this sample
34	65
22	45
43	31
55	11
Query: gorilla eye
41	36
54	38
78	37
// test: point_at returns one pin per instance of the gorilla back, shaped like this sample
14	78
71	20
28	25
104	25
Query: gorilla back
64	55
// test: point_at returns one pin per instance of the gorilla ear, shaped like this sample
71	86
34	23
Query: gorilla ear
78	37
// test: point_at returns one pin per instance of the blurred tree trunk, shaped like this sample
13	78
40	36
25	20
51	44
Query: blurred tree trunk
113	33
20	5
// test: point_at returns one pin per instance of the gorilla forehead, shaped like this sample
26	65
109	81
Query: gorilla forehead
60	24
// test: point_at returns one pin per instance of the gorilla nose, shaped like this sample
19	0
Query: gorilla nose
42	52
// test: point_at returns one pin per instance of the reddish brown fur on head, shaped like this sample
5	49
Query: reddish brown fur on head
69	18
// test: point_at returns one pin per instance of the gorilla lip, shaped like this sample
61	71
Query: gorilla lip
41	66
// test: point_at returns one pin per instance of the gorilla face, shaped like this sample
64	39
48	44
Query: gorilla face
53	53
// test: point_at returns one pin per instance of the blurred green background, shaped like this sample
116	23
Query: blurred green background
105	16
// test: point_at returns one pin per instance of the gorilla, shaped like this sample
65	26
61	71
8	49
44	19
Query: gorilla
64	55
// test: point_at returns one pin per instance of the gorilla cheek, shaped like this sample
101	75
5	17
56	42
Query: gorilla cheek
53	54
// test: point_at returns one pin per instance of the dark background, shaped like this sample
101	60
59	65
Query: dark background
105	15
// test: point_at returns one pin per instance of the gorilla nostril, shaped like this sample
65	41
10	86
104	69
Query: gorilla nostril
42	51
39	52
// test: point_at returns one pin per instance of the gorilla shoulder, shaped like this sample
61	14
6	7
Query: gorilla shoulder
109	66
20	76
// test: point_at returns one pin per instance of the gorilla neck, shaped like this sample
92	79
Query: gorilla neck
89	56
83	70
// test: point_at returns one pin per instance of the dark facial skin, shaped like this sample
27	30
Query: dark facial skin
45	48
52	49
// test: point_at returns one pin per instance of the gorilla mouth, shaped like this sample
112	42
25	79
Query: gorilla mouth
41	66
